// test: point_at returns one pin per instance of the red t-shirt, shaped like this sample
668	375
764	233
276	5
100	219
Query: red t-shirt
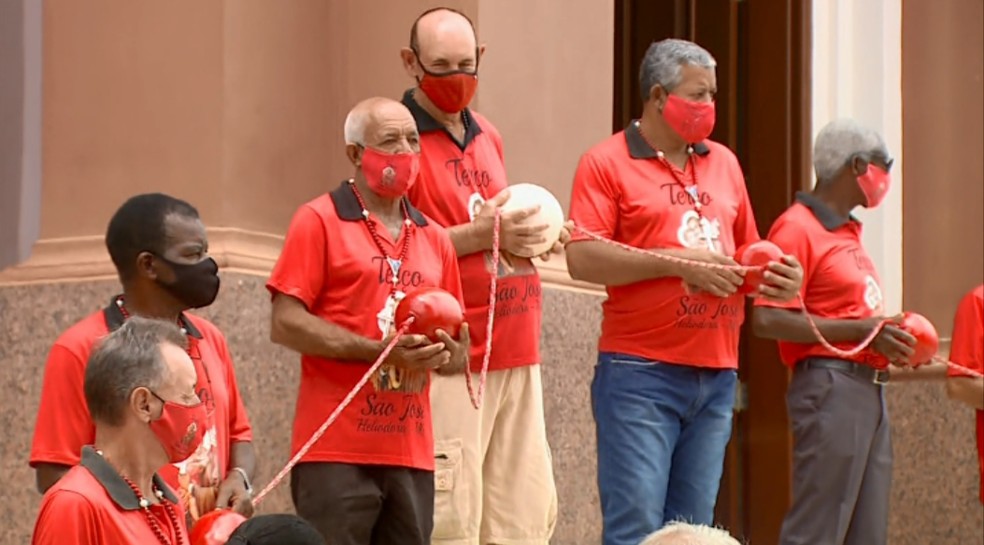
93	505
454	182
967	349
624	193
331	264
64	425
839	279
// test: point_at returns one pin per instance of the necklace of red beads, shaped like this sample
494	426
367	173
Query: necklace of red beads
151	518
691	188
394	262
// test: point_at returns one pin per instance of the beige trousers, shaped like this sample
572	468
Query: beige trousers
494	481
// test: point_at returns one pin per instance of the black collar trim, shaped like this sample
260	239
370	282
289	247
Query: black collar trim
640	149
115	318
348	208
826	215
427	123
115	486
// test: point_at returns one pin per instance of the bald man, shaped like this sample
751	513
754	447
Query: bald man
349	257
494	478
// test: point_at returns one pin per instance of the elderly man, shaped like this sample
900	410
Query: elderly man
842	452
160	250
140	388
664	386
348	259
494	477
681	533
967	349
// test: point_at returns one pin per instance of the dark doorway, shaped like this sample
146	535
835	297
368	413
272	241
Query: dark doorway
763	114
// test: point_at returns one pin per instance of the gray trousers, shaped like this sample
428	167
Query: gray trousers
842	460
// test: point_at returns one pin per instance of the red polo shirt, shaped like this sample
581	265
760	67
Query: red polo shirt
839	279
455	179
93	505
967	349
331	264
624	193
64	425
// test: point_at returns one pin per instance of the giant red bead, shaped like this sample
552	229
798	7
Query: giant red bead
432	309
215	527
756	254
927	340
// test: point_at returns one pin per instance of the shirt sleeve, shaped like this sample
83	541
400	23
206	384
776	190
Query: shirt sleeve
300	269
792	240
63	424
967	344
240	429
594	199
66	518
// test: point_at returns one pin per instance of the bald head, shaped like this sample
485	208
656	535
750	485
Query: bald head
439	24
442	40
381	123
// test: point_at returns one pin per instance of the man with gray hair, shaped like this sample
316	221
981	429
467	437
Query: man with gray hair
842	451
140	390
664	387
348	259
681	533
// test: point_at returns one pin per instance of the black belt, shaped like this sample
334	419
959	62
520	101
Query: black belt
877	376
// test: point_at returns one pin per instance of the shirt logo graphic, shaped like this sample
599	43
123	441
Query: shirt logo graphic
698	232
872	293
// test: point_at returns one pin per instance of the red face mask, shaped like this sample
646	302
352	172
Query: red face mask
693	121
390	175
180	429
874	183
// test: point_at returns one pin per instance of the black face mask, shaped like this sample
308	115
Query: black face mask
195	285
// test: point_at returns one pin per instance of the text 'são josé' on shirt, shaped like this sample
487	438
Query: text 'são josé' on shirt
455	181
624	193
331	264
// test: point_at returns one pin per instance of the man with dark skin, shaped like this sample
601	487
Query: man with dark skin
159	247
842	451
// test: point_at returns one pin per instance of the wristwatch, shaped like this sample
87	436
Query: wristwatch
242	473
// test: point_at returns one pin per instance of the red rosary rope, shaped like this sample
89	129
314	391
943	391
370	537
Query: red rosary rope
809	318
334	415
477	397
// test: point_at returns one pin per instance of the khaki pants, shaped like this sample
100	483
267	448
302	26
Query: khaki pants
493	482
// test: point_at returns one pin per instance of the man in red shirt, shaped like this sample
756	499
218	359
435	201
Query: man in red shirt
140	387
967	349
349	257
663	390
160	251
842	452
494	476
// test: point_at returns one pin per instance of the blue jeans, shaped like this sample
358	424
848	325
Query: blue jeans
662	431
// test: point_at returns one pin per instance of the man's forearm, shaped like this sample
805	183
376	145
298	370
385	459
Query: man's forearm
243	455
303	332
792	326
967	390
469	238
600	263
